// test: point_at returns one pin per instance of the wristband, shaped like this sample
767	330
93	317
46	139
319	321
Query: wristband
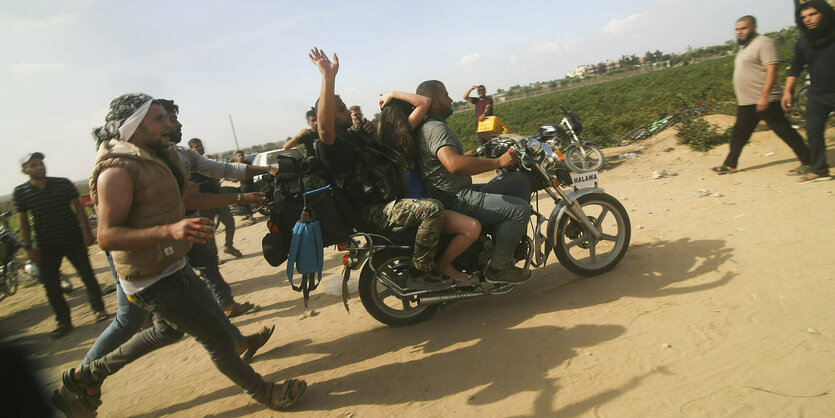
239	198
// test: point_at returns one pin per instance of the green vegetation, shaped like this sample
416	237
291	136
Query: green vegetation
612	108
701	135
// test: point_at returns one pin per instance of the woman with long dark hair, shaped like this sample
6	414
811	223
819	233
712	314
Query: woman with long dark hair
400	114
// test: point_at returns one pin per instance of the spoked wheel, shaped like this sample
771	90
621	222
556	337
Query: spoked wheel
382	302
589	158
636	134
575	247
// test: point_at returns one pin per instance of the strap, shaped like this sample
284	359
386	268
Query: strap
346	274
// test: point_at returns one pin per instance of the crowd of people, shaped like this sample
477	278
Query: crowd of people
156	202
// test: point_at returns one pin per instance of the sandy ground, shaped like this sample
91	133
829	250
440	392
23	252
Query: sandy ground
718	309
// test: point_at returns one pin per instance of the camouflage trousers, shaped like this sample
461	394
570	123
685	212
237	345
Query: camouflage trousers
427	215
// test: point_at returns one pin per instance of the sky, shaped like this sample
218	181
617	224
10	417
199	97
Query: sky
63	61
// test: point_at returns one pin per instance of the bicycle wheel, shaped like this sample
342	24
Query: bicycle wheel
636	134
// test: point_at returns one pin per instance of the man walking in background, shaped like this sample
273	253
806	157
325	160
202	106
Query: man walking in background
210	185
758	97
58	234
815	48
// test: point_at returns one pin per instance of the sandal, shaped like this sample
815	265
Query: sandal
237	309
812	177
100	316
86	393
60	331
256	341
723	169
286	394
66	402
233	251
472	280
799	171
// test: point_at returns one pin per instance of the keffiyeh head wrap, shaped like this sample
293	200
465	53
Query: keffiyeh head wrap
125	114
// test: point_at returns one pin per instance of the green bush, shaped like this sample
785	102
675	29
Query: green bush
701	135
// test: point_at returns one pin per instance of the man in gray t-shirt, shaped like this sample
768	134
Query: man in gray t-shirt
758	97
446	175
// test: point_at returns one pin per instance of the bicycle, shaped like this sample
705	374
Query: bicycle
666	121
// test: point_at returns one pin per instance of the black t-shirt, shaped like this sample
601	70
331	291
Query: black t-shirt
309	139
55	222
205	183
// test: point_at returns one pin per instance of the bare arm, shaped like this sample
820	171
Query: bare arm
26	237
254	170
467	97
295	140
421	104
326	112
211	201
115	196
82	219
462	165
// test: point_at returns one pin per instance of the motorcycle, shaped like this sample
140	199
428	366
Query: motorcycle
588	231
11	267
580	156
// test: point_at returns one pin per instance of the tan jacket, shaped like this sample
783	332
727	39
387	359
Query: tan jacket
158	192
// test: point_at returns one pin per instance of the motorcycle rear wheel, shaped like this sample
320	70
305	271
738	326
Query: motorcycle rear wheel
579	163
380	301
575	249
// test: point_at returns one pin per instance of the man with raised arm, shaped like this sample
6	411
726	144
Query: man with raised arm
377	205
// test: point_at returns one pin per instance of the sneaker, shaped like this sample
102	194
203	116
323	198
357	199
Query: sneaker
798	171
424	280
512	275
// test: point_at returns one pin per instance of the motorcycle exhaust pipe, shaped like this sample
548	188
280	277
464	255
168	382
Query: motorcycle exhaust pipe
448	297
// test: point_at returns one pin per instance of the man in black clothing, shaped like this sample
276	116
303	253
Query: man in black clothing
815	48
208	184
58	235
307	136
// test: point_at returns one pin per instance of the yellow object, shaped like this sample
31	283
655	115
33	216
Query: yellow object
492	125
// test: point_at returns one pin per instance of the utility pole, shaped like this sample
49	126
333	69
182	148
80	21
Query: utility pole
237	147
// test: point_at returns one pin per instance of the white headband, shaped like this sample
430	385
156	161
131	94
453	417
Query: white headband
129	127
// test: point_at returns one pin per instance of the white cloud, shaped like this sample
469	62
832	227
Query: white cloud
37	67
617	26
544	47
513	58
28	24
469	59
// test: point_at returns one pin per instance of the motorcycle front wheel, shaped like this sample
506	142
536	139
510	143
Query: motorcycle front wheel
380	301
589	158
574	246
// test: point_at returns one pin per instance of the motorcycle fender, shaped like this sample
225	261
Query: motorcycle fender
559	211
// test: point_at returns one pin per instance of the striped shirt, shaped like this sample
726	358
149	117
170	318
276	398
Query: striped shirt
55	222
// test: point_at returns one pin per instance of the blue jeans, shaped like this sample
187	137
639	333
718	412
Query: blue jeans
129	320
818	107
181	303
509	213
